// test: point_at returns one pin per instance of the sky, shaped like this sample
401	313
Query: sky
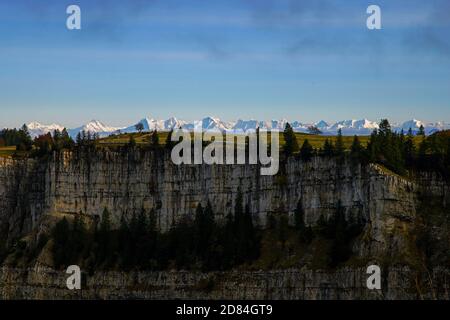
261	59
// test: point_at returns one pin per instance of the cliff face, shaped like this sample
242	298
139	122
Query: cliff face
128	182
23	191
347	283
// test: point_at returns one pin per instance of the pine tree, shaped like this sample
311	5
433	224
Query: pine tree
78	240
409	149
321	227
421	131
307	151
384	128
57	140
328	148
104	239
304	233
25	143
299	216
339	147
67	141
356	149
131	142
340	250
200	230
155	139
60	235
282	229
290	141
124	243
422	155
239	229
394	154
447	158
79	140
386	147
447	154
169	143
229	242
141	237
246	248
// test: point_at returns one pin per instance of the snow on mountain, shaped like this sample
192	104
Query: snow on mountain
348	127
413	124
214	124
437	126
173	123
93	126
277	124
245	125
36	129
207	124
149	124
322	125
351	127
299	126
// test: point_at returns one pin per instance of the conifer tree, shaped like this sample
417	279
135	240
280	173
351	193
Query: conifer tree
306	152
155	139
409	149
304	233
244	232
421	131
356	148
66	141
339	147
60	235
79	140
78	239
447	154
104	239
290	141
422	155
132	142
340	249
124	243
169	143
328	148
384	128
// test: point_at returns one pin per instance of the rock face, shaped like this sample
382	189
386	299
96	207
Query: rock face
127	182
347	283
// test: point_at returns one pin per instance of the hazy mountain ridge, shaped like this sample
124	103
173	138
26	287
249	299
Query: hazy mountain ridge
348	127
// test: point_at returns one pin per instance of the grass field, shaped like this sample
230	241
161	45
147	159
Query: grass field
7	151
316	141
140	138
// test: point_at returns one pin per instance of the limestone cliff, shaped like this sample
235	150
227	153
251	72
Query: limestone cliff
126	182
346	283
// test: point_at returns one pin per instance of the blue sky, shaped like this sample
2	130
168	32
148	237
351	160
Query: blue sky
303	60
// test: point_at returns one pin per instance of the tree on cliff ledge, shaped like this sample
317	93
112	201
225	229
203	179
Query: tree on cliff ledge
305	233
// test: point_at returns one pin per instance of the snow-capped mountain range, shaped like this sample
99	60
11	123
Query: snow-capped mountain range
348	127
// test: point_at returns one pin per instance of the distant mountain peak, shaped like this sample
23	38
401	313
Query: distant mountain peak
348	127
